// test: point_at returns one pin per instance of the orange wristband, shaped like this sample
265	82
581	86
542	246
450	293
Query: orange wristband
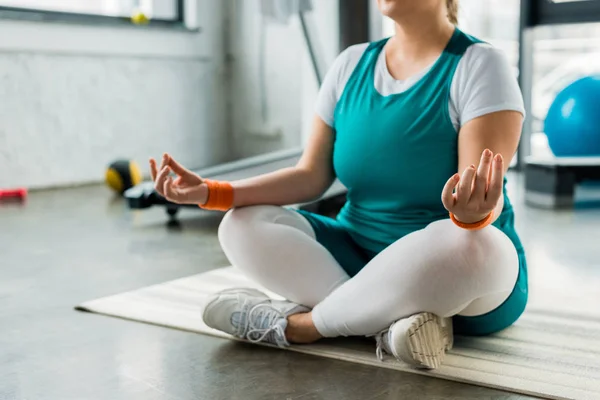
475	225
220	196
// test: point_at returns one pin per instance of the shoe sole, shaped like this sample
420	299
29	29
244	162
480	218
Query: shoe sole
425	340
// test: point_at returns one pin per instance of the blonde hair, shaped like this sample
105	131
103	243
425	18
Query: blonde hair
452	6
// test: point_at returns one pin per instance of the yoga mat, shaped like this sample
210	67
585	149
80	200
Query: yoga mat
548	354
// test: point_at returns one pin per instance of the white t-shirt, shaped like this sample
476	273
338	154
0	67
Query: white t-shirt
483	83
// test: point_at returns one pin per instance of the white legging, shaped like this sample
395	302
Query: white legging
441	269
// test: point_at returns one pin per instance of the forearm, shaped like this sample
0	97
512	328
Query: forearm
287	186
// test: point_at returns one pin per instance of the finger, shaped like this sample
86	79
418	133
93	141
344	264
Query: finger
164	161
159	184
178	181
481	179
153	171
463	193
448	192
178	168
170	194
496	182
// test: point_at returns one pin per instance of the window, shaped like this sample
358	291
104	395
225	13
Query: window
561	55
157	11
494	21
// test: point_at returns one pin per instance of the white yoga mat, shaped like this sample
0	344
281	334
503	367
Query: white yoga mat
545	354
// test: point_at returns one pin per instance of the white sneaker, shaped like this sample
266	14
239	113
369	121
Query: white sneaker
250	314
420	340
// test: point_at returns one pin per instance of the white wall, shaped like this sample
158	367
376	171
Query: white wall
290	87
73	98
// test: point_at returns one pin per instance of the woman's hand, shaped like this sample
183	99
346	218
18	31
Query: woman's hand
187	188
478	191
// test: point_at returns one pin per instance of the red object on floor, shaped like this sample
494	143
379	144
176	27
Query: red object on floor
13	194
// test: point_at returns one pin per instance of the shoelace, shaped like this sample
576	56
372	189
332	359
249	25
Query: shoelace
380	345
265	315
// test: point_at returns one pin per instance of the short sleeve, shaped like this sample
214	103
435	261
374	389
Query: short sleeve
485	83
335	80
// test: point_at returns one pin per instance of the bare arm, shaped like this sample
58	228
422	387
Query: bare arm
500	132
306	181
483	146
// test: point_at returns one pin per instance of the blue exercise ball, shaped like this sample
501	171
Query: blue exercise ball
573	121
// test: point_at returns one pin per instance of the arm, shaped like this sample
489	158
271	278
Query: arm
314	173
499	132
306	181
487	97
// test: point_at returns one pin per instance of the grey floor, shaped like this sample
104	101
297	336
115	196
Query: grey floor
67	246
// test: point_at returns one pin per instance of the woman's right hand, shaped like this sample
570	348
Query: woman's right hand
187	188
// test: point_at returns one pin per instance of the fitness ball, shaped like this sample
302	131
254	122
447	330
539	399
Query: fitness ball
573	121
122	175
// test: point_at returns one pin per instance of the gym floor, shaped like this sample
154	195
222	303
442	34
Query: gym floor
67	246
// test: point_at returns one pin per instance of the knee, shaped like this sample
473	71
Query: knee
483	254
240	222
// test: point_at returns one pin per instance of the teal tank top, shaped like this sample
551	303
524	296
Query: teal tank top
395	153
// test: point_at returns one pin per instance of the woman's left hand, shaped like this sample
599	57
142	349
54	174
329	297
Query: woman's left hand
478	190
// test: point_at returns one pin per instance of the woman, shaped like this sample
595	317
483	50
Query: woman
417	127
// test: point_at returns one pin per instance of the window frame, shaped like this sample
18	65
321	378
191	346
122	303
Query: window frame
547	12
38	15
536	13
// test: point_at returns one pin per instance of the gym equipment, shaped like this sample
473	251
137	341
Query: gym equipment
139	18
572	127
507	361
18	194
573	121
281	11
122	175
535	14
551	183
144	196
